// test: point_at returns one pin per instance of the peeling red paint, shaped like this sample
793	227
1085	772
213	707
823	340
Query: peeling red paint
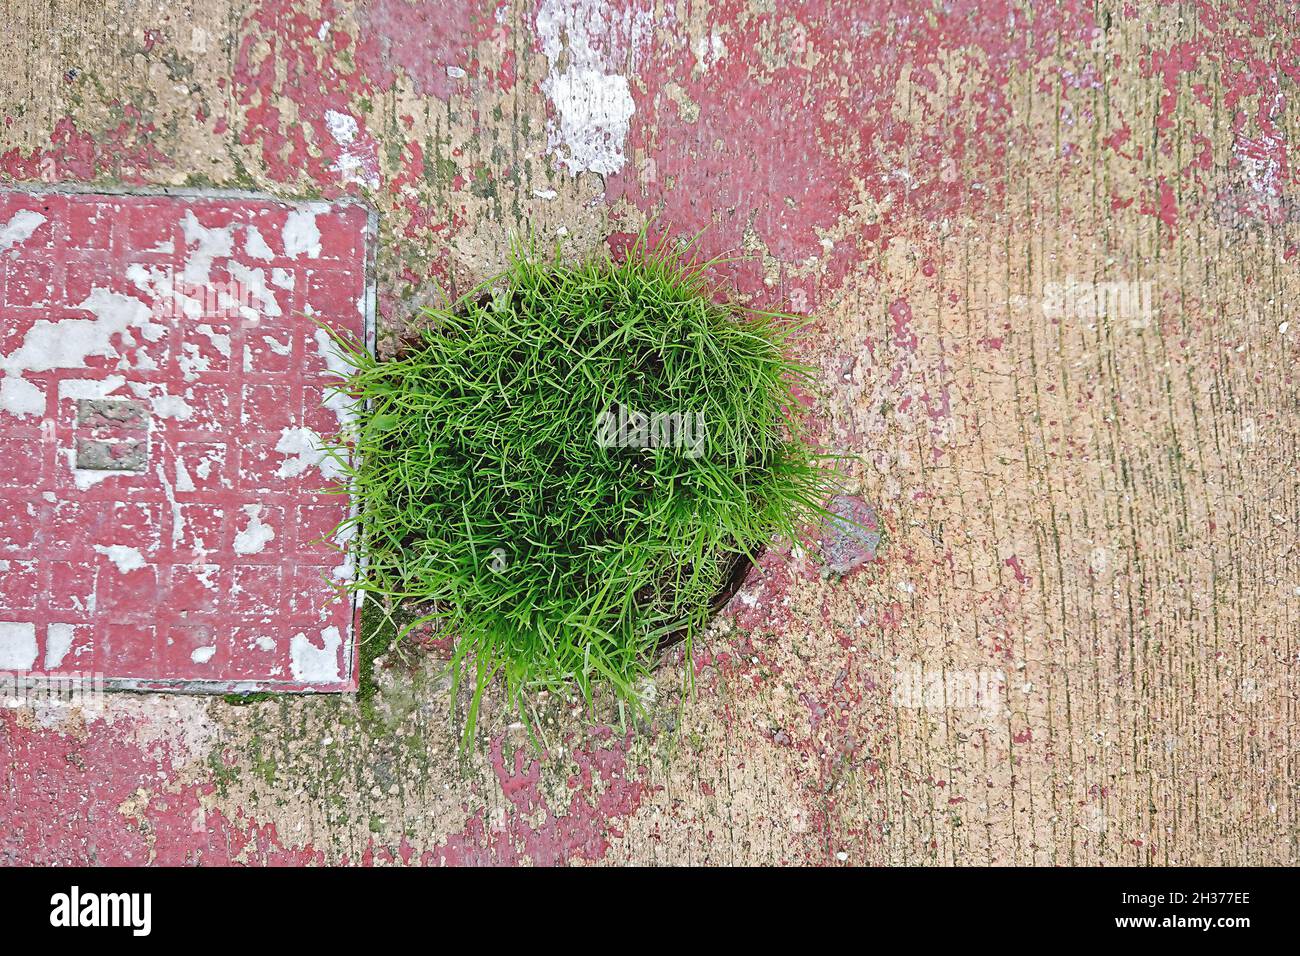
126	152
318	80
429	42
801	138
605	790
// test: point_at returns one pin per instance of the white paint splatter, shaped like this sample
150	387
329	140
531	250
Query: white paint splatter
19	228
87	478
192	361
90	389
184	482
254	538
316	665
204	469
345	572
178	516
201	655
68	343
18	646
126	558
709	50
170	406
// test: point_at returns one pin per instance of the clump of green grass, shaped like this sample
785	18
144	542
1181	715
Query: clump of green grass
504	478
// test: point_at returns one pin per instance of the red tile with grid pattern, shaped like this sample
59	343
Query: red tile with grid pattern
164	387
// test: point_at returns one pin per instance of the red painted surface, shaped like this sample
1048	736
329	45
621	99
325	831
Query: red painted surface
172	340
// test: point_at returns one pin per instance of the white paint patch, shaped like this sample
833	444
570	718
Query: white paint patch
19	228
253	282
345	572
344	409
20	397
58	641
304	449
593	103
17	646
301	235
220	340
178	516
162	288
87	478
341	126
90	389
709	50
208	244
594	112
204	468
254	538
192	361
201	655
314	665
546	194
357	162
127	559
170	406
255	245
184	483
68	343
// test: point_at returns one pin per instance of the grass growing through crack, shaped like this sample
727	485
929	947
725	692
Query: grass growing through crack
562	545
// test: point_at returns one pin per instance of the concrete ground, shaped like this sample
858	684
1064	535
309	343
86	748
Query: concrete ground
1051	252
